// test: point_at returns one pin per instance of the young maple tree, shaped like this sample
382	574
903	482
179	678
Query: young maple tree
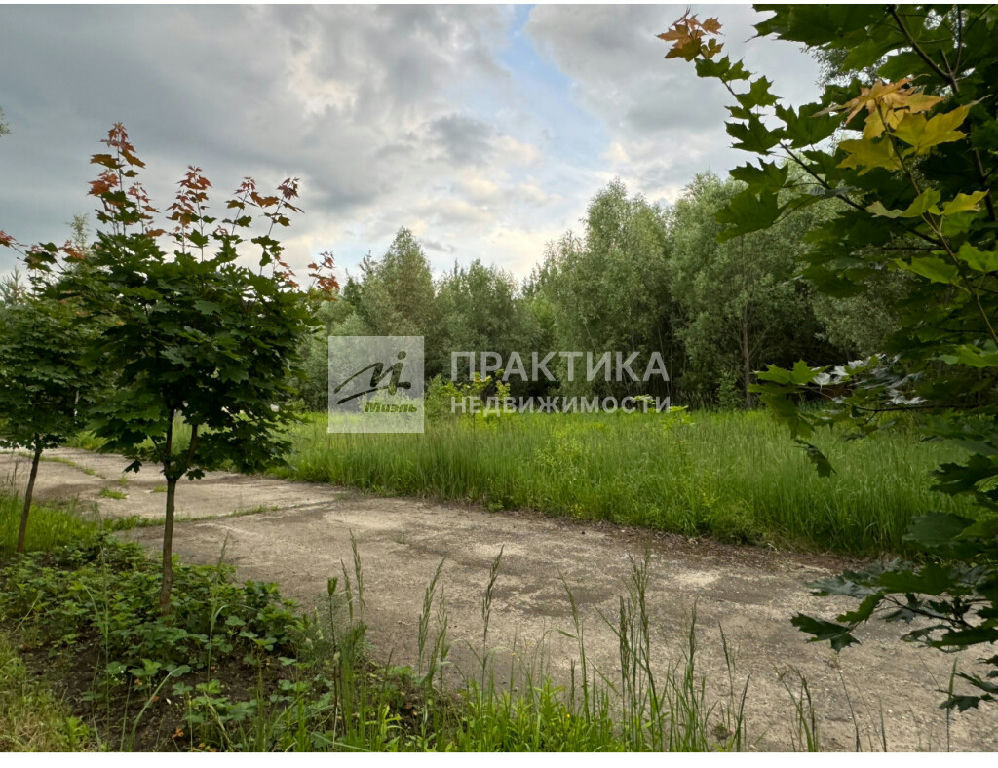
193	337
44	380
908	150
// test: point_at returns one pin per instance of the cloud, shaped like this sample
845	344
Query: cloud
664	124
486	129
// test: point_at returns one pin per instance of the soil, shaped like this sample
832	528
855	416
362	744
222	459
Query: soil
299	535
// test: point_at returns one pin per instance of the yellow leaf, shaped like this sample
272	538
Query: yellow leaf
963	203
924	134
869	154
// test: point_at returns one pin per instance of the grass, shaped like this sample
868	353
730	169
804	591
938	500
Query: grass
110	493
48	527
733	475
236	667
32	719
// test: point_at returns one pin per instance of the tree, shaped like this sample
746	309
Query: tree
43	379
740	303
196	339
396	296
610	287
910	158
478	310
4	128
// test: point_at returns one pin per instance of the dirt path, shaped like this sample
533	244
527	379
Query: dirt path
297	534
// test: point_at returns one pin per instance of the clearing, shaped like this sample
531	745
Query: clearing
298	534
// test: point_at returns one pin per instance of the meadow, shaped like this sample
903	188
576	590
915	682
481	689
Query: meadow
734	475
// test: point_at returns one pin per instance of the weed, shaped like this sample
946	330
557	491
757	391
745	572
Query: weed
732	475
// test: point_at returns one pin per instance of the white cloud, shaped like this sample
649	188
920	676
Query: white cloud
393	116
664	124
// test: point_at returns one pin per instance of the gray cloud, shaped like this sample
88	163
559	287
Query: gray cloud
392	116
465	140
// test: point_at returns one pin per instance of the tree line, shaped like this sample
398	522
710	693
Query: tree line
637	277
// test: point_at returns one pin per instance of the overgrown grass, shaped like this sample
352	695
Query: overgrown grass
733	475
234	668
48	527
32	719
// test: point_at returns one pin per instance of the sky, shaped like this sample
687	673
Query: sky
485	130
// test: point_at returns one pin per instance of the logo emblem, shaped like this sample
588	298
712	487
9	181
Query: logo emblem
375	384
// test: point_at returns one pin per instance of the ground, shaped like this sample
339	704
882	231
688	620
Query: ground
298	534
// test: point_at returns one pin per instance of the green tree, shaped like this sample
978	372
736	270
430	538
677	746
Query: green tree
396	296
479	311
194	337
610	288
46	383
910	158
740	303
43	379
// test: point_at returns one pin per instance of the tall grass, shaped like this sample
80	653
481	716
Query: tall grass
48	526
328	695
734	475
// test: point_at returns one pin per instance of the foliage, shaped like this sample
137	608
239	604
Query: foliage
195	334
211	614
609	290
32	719
740	305
908	157
45	384
478	311
234	669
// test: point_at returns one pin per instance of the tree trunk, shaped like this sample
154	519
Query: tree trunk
745	355
171	488
23	528
167	587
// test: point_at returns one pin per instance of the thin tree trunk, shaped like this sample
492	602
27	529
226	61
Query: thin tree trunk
171	487
167	587
745	355
23	528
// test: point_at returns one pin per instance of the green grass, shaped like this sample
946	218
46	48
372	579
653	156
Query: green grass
48	527
234	668
733	475
110	493
32	719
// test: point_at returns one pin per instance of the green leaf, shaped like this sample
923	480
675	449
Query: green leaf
722	69
805	127
978	260
752	135
748	212
924	134
816	457
838	635
866	155
768	177
933	268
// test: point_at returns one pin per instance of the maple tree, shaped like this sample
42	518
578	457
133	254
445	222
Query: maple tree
44	380
194	338
908	159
